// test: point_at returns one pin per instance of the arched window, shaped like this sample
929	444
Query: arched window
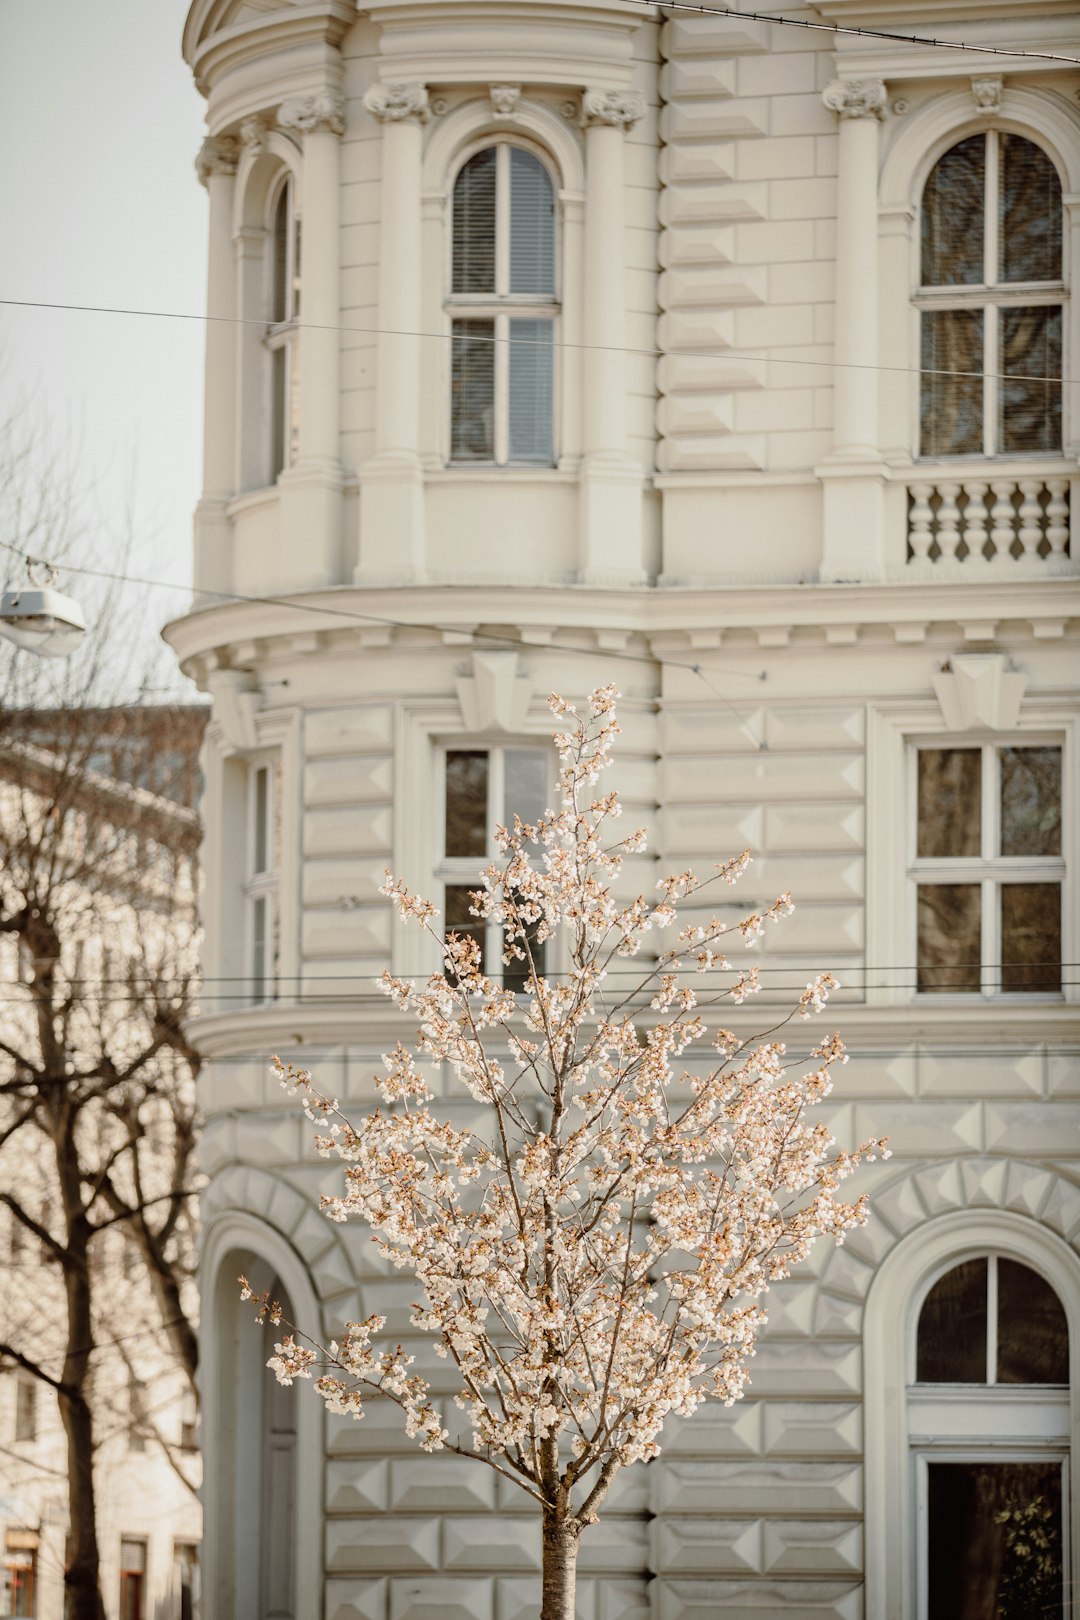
283	314
988	1424
990	300
503	309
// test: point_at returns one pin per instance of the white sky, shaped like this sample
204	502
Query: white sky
99	204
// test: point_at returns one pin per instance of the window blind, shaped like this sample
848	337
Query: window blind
530	402
952	217
279	295
952	406
474	225
532	225
1029	208
1030	407
472	391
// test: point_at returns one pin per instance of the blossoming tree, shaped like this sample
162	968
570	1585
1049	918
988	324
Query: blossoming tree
595	1258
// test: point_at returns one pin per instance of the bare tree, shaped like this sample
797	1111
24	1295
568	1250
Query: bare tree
592	1259
98	840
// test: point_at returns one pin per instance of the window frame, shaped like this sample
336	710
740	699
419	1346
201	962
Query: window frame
281	337
462	871
503	306
890	910
127	1572
991	872
262	885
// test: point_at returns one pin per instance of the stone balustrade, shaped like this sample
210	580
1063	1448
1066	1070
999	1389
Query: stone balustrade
1002	518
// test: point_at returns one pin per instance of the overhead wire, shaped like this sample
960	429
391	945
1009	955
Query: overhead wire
894	36
641	351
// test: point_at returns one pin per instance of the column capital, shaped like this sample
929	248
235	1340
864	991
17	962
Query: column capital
397	102
253	133
856	98
323	109
218	154
618	108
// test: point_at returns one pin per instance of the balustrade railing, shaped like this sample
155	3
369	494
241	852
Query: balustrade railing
1007	520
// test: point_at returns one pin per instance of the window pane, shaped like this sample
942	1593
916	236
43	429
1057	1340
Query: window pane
526	791
952	217
1030	801
1033	1335
952	1328
259	949
1031	937
466	803
532	225
474	225
995	1540
531	357
279	376
950	802
1030	411
472	392
457	918
262	818
950	937
951	406
279	292
1029	209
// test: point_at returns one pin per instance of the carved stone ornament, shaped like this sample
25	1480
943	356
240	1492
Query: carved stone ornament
976	690
324	109
856	98
494	694
987	93
253	133
617	107
505	98
218	154
393	103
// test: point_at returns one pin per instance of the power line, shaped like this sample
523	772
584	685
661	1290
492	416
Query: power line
772	356
864	33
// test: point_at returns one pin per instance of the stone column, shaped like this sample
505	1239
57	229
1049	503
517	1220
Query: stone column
216	168
610	548
854	481
311	489
391	483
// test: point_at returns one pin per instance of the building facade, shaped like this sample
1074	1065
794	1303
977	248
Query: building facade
562	341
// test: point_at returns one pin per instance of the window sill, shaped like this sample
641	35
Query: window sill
482	472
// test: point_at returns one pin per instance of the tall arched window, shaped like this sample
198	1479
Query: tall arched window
990	301
988	1425
503	309
283	316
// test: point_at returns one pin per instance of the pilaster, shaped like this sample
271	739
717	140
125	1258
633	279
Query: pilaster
610	510
391	483
853	475
215	166
311	490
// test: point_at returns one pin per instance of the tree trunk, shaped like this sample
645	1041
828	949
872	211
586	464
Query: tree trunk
81	1582
561	1537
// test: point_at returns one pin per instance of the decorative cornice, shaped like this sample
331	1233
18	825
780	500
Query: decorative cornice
394	103
218	154
856	98
323	109
616	107
987	93
504	99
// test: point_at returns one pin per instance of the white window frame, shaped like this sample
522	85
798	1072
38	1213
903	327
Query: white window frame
461	871
903	1279
263	884
281	338
890	907
991	872
989	296
502	305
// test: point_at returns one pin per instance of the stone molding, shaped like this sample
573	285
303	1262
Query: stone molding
323	109
621	109
218	154
395	103
504	99
856	98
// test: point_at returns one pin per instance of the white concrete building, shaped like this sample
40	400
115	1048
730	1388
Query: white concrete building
558	341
